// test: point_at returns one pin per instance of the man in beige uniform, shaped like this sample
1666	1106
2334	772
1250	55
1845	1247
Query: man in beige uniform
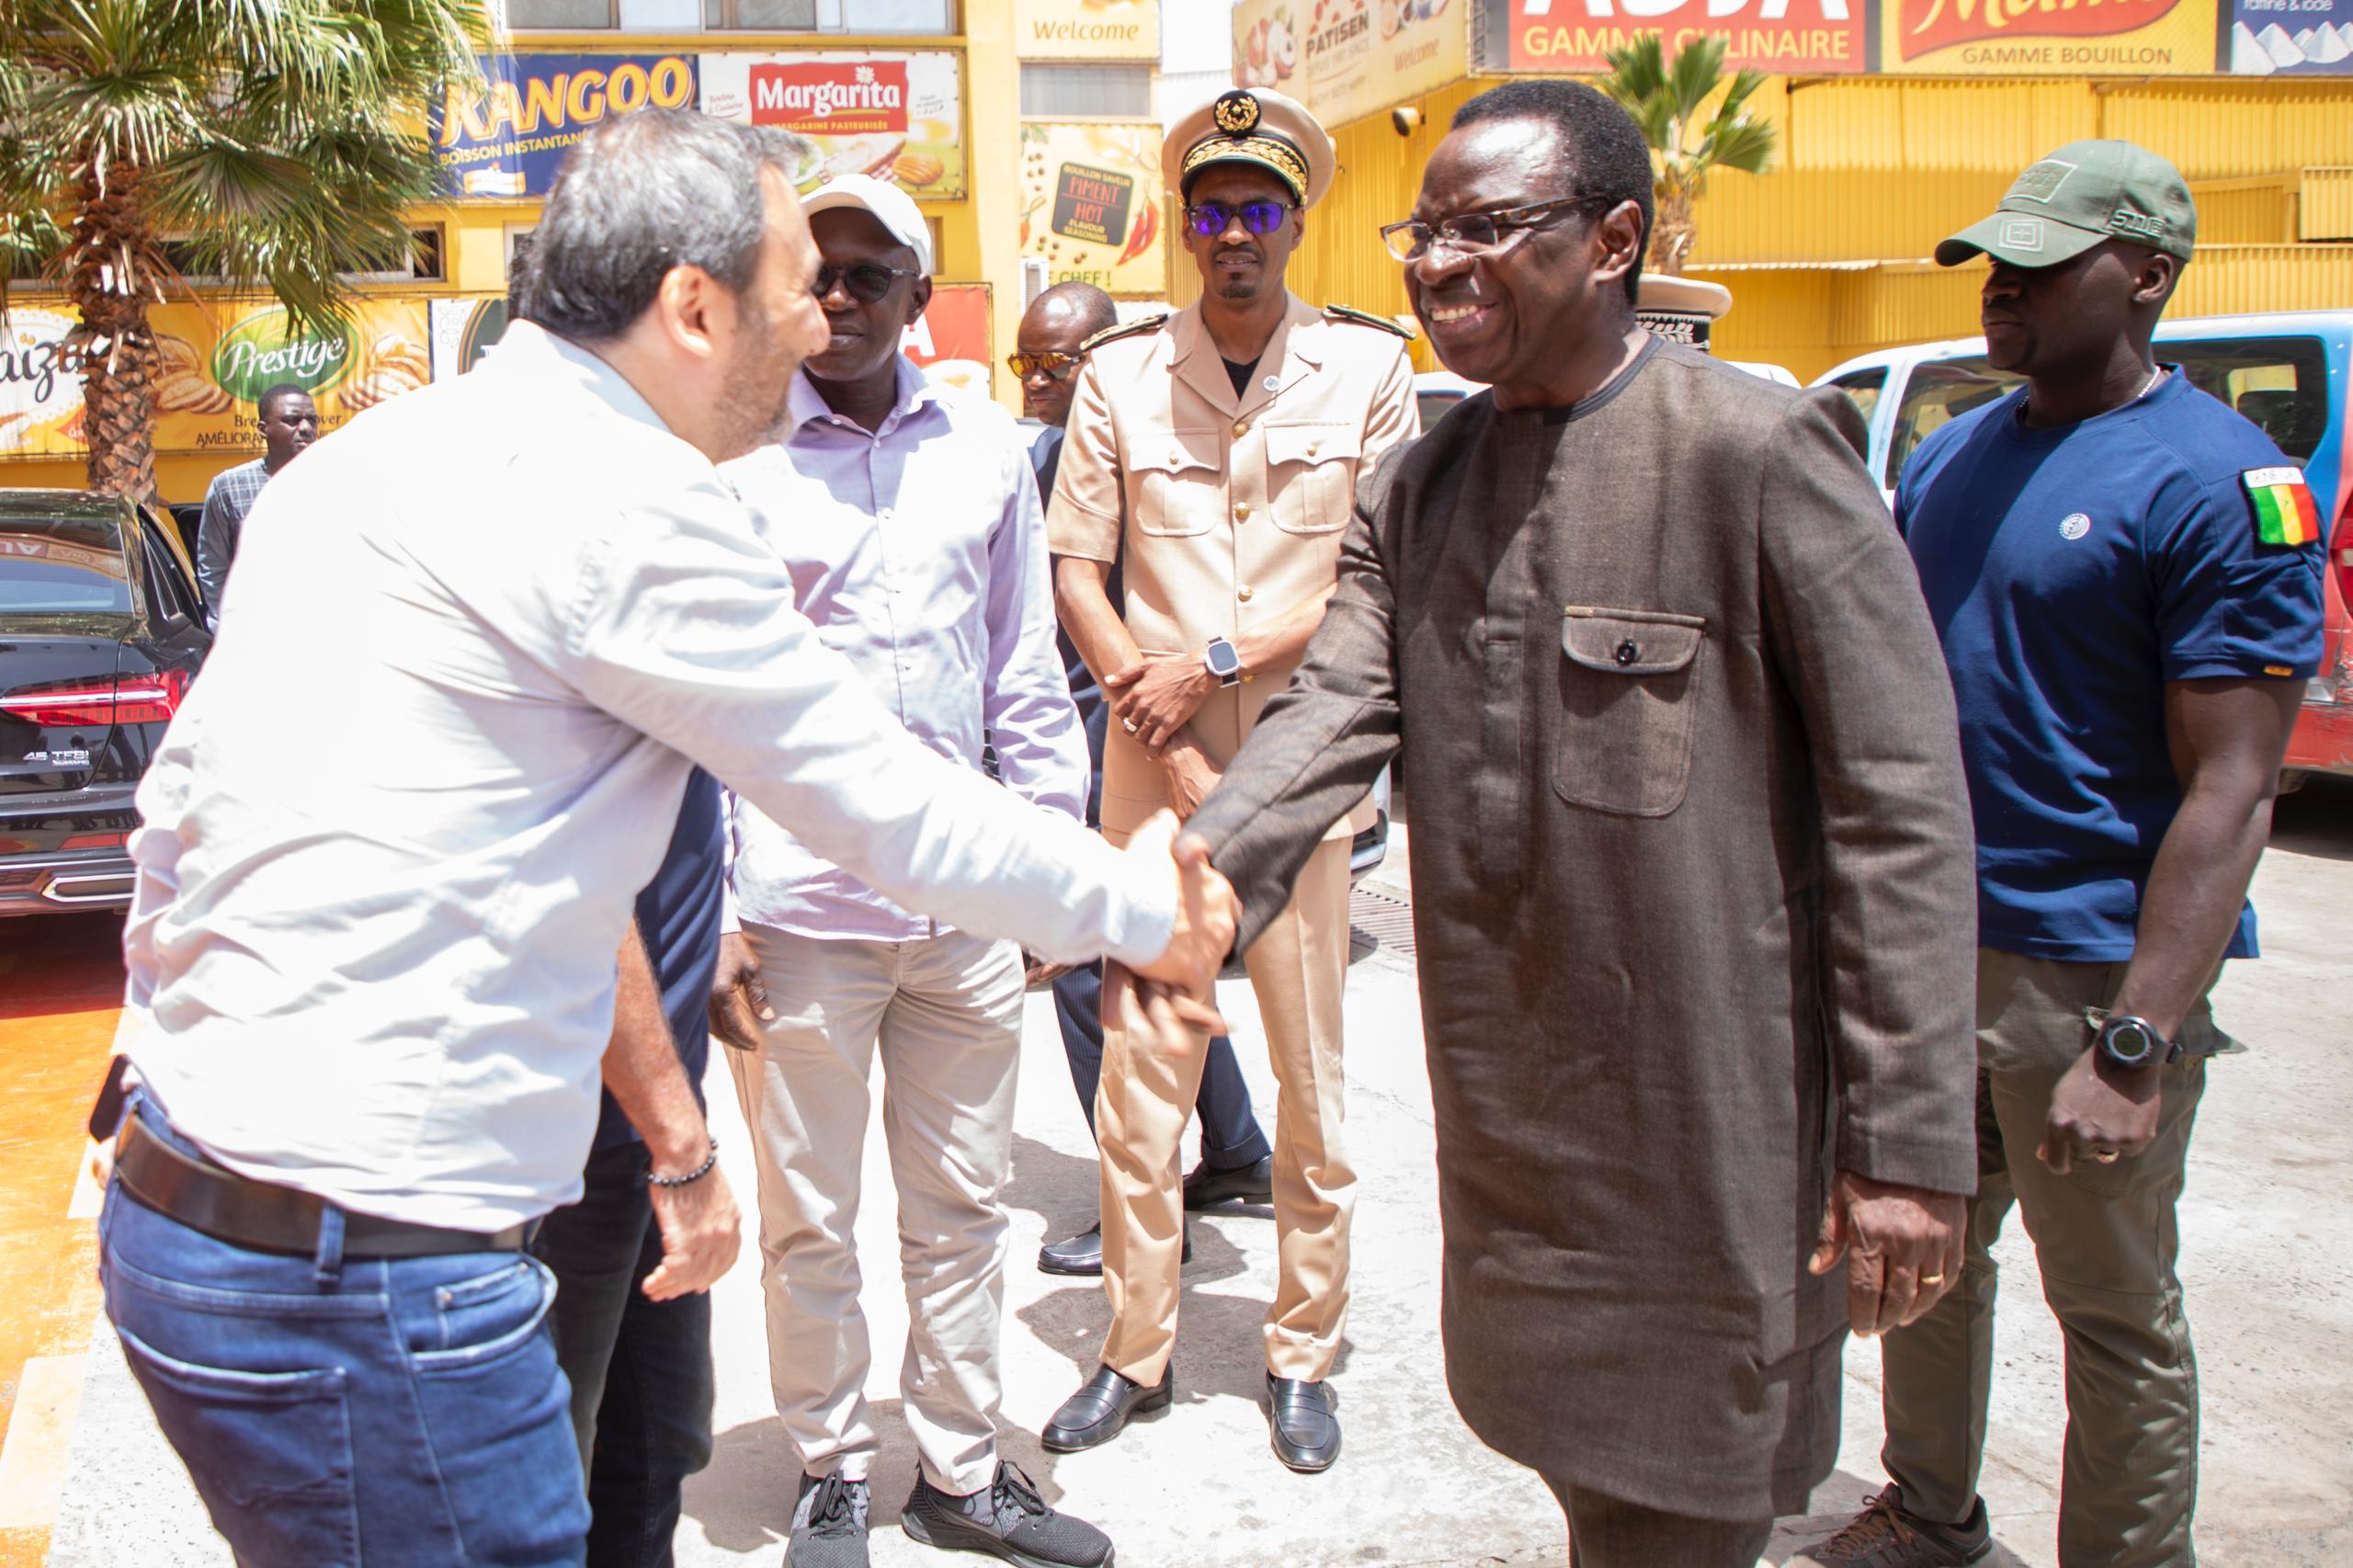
1219	447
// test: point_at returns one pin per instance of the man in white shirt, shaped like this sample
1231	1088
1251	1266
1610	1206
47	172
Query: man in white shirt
390	846
907	519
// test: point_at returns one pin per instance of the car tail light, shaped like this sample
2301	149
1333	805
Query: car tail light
100	701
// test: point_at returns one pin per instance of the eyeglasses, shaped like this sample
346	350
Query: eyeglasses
1209	219
1478	233
866	282
1054	367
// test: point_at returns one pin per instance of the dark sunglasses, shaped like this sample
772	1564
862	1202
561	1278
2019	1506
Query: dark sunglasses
1209	219
866	282
1478	233
1053	366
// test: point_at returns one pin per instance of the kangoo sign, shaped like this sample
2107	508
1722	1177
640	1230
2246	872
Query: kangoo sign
265	350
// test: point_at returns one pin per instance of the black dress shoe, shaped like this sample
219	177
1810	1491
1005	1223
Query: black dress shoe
1255	1183
1306	1434
1083	1253
1098	1412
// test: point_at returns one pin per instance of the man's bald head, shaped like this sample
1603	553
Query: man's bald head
1057	322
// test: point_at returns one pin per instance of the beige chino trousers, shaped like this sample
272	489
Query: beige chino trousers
1297	968
946	1012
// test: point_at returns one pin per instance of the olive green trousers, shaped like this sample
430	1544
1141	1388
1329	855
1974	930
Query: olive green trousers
2104	1241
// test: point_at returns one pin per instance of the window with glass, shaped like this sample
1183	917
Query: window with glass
1937	395
1086	92
1864	387
2280	384
746	16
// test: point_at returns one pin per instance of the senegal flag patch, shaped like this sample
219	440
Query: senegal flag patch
2284	513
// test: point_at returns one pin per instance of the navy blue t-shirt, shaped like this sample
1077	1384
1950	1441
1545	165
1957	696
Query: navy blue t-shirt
677	914
2072	573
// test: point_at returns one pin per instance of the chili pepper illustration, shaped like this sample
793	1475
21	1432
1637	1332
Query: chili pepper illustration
1147	225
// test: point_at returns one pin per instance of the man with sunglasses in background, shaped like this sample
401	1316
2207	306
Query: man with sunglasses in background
1237	1164
908	522
1213	454
1691	858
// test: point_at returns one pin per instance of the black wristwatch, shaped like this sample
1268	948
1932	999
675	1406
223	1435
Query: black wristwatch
2129	1042
1224	662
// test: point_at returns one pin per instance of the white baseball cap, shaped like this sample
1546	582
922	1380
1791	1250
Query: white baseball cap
892	208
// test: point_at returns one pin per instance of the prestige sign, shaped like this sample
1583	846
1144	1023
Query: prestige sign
1817	37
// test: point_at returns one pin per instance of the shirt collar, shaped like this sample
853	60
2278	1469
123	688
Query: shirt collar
532	350
805	405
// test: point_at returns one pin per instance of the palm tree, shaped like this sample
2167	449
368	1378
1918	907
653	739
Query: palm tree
1666	100
273	142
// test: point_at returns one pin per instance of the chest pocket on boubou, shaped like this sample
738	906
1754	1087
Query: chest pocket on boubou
1629	704
1311	476
1180	486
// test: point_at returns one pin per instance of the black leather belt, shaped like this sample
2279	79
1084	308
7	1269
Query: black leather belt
258	1214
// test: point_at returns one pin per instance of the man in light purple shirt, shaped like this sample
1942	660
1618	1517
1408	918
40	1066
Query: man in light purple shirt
907	519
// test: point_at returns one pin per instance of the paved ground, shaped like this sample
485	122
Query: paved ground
2268	1227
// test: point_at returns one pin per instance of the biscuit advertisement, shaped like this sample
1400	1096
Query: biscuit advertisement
213	360
1347	59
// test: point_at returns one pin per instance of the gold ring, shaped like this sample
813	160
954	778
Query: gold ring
1932	1279
2106	1156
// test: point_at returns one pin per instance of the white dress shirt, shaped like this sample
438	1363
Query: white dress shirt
919	550
391	841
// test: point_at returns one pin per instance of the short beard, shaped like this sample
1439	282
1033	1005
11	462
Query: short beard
755	394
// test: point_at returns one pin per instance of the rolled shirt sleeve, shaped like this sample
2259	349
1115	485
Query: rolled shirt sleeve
683	626
2228	604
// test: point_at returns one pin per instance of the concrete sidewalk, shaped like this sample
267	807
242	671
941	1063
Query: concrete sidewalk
2268	1242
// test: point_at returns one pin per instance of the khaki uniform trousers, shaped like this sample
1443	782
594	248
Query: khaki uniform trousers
2105	1241
1297	968
946	1012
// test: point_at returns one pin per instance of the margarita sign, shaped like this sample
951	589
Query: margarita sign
265	351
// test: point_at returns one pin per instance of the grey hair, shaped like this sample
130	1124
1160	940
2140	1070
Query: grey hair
638	195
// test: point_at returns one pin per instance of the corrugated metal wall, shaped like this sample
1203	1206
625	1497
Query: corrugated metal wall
1878	170
2325	208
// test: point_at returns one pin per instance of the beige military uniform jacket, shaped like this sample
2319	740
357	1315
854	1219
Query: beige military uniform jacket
1226	510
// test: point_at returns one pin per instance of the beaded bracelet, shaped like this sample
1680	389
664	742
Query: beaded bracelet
697	1173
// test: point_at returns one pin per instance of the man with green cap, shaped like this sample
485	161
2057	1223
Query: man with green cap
2125	575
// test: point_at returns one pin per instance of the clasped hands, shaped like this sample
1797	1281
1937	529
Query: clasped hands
1175	990
1158	695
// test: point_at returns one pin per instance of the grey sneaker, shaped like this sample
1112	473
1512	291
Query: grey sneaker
829	1524
1884	1536
1007	1520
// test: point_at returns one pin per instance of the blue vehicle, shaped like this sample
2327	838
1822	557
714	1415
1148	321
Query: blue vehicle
2288	371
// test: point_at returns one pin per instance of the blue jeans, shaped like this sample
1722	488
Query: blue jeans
641	1371
406	1411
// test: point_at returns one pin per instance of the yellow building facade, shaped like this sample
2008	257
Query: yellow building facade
1896	122
931	95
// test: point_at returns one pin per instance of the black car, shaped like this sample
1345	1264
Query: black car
101	629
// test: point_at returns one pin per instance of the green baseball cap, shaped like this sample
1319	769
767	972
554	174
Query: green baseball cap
2080	195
